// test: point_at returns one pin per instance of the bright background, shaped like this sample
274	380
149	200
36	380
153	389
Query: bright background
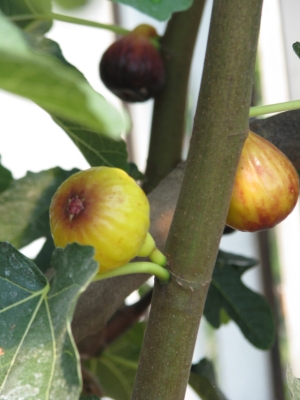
32	141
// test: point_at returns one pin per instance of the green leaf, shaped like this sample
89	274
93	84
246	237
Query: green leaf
293	383
249	310
38	355
70	4
92	397
96	149
159	9
6	178
43	259
18	8
135	173
59	89
116	368
202	380
24	206
296	48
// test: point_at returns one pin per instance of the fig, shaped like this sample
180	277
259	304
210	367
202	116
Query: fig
132	68
102	207
266	187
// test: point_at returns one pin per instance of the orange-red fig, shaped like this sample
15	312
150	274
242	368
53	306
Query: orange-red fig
266	187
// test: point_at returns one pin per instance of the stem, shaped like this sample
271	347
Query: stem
220	129
161	273
72	20
169	116
273	108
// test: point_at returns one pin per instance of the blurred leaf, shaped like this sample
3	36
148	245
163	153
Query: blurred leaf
24	206
116	368
135	173
296	48
18	8
48	47
6	178
249	310
159	9
203	381
92	397
293	383
54	86
38	355
70	4
96	149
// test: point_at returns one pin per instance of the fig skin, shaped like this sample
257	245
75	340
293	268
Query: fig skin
101	207
132	68
266	187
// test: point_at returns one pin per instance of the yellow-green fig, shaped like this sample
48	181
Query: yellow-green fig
266	187
102	207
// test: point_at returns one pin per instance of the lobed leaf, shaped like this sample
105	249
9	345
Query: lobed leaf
293	383
203	381
6	178
24	206
38	357
249	310
96	149
159	9
117	365
18	8
56	87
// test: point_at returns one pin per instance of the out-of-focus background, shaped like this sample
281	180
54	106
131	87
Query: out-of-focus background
243	372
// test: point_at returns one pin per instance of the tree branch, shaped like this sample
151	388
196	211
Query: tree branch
220	129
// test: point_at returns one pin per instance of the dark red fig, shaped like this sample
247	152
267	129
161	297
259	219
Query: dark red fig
132	68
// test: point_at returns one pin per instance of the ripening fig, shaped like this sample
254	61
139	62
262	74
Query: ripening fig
132	68
102	207
266	187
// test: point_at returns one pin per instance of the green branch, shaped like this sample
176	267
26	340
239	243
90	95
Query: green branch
169	114
273	108
72	20
162	274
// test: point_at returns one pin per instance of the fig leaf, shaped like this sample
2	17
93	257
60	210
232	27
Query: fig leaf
18	8
38	354
249	310
293	383
58	88
159	9
203	381
29	197
117	365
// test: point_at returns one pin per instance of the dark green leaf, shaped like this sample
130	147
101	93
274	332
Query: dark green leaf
53	85
116	368
159	9
6	178
96	149
296	48
249	310
24	206
293	384
38	355
135	173
203	381
43	259
19	8
92	397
